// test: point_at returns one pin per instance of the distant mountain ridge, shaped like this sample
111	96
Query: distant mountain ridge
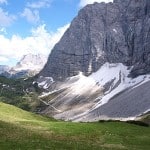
29	65
31	62
4	68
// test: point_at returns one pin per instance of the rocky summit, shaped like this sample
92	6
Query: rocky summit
100	67
117	32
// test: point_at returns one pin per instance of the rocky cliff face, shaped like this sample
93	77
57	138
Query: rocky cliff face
117	32
110	44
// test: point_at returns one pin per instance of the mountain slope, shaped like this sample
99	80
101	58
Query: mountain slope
19	92
109	44
106	94
23	130
131	103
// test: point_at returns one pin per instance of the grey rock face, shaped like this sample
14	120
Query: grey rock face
113	32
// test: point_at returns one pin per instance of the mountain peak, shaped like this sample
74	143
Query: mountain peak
28	65
103	32
31	62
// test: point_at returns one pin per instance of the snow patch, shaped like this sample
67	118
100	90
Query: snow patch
115	30
118	73
83	85
44	82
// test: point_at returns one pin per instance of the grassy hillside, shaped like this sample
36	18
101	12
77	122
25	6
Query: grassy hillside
21	130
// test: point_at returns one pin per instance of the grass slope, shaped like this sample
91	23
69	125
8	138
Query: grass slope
21	130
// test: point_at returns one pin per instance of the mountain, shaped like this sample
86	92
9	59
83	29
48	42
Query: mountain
4	68
29	65
100	67
31	62
115	32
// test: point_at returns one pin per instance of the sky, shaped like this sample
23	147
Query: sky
34	26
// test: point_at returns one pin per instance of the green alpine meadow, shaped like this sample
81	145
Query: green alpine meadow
22	130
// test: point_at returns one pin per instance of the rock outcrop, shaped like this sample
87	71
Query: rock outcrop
117	32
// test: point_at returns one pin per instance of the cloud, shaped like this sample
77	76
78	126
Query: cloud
6	19
3	1
32	16
39	4
40	41
31	11
85	2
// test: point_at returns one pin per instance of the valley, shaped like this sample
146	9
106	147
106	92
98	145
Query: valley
91	91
